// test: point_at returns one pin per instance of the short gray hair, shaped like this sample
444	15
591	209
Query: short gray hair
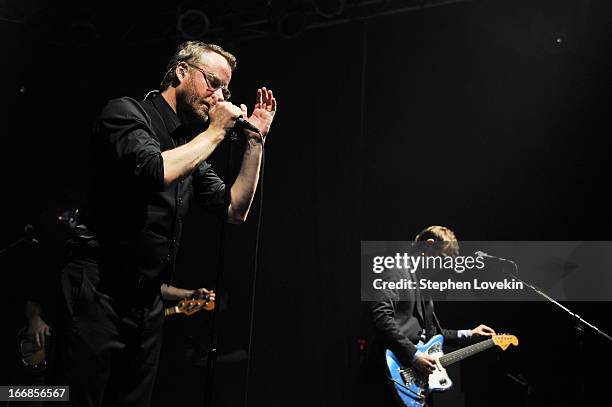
190	52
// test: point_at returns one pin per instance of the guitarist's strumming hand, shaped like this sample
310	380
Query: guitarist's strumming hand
424	363
38	330
483	330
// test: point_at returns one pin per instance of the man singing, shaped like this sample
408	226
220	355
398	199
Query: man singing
149	164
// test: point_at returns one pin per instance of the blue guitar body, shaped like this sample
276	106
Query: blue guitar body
411	386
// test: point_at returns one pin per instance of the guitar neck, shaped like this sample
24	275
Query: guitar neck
172	310
466	352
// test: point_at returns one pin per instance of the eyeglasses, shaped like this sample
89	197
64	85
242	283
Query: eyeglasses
213	82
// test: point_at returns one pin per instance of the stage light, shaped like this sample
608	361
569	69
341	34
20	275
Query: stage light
193	24
328	8
84	32
287	16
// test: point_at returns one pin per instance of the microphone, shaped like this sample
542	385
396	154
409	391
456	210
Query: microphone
488	256
241	123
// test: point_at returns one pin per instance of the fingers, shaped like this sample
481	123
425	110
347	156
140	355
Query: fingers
265	96
244	110
228	106
431	362
237	111
484	330
428	367
204	292
265	100
223	115
38	332
268	100
426	364
273	102
488	330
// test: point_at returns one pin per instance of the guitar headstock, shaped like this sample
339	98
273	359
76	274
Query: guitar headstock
191	306
505	340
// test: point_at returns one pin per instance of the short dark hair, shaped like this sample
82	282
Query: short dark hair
191	51
449	245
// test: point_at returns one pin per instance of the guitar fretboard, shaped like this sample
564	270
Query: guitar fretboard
466	352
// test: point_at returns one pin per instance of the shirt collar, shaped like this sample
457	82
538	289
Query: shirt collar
170	118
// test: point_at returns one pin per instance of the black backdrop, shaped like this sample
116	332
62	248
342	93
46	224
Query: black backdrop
487	117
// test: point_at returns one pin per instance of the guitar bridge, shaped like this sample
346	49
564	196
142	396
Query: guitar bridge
407	375
411	378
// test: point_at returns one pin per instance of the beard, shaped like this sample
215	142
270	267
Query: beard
189	109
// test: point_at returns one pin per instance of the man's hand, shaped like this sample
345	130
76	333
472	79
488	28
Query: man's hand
483	330
201	293
223	116
172	293
263	112
424	363
38	330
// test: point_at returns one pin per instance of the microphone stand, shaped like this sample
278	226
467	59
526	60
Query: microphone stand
27	238
580	324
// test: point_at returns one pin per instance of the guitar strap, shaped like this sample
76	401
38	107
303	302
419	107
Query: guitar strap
431	319
425	311
419	304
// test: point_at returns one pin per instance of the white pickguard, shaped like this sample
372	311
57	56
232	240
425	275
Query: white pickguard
438	380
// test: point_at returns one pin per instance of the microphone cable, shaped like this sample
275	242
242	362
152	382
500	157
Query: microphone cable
255	268
212	354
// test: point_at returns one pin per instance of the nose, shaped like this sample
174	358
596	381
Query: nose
219	95
213	99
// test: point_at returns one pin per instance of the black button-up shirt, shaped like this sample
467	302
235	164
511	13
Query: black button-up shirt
134	217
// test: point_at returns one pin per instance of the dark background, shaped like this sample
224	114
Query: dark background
489	117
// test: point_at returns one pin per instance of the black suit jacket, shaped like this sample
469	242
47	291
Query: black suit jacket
399	317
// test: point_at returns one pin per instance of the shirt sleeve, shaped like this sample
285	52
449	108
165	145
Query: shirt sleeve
209	189
464	333
123	130
450	334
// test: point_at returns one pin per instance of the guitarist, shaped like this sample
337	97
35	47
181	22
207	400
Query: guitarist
38	331
402	318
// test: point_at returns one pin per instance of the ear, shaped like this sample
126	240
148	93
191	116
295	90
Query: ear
181	71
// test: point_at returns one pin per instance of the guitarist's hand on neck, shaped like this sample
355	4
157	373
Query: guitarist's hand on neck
203	293
424	363
483	330
172	293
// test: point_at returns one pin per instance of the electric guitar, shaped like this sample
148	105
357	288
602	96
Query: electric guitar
413	387
33	357
191	306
